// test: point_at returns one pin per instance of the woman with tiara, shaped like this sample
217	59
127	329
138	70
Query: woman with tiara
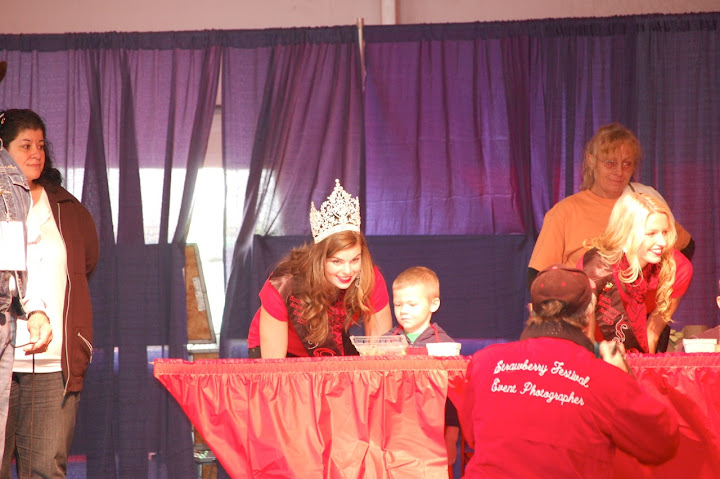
321	289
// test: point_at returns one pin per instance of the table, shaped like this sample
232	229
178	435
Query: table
690	383
333	417
382	417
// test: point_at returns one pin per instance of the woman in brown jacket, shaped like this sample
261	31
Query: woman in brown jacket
62	254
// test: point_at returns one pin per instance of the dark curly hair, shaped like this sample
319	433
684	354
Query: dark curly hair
15	121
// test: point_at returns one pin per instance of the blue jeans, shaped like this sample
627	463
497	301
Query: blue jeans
39	410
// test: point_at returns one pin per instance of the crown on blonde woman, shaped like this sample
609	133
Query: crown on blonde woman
341	212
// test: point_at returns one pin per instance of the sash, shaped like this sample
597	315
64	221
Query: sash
612	318
337	342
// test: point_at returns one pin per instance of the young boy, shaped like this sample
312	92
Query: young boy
416	296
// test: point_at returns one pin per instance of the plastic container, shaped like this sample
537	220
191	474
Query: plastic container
380	345
699	345
443	349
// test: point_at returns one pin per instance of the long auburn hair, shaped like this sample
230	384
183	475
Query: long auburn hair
606	140
306	264
624	235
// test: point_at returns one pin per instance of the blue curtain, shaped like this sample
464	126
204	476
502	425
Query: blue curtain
292	116
126	112
479	129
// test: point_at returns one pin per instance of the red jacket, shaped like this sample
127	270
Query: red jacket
77	229
546	407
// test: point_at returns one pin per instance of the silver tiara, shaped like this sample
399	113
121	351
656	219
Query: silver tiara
341	212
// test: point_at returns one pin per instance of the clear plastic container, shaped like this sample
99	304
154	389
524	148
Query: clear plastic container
380	345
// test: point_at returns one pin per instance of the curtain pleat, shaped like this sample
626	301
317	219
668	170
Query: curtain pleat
296	110
127	113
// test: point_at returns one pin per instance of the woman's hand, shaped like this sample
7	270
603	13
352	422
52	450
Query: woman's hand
40	330
613	353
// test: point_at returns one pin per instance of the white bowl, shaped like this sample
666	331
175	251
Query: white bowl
699	345
443	349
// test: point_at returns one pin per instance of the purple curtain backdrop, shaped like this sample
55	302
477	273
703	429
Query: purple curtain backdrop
292	115
115	104
479	129
446	133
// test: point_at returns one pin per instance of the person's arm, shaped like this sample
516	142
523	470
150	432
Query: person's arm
683	276
613	353
550	244
655	325
379	323
451	438
452	431
638	423
273	336
466	405
38	323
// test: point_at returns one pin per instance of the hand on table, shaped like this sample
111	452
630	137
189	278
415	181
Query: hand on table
614	353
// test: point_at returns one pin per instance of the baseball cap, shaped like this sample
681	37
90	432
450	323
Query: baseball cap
562	283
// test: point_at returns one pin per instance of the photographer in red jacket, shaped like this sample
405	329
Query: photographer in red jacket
547	406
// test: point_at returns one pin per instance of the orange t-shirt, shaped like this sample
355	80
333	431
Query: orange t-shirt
578	218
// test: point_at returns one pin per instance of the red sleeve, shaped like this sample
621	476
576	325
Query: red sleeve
683	274
379	297
639	424
272	302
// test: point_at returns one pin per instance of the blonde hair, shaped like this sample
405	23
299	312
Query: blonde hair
606	140
307	266
419	275
625	233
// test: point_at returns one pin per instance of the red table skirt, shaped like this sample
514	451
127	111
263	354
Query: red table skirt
354	417
690	383
349	417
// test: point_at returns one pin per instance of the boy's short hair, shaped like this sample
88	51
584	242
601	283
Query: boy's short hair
419	275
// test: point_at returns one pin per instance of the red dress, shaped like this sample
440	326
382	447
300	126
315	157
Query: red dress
273	303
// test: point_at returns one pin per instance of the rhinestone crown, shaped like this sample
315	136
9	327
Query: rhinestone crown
341	212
